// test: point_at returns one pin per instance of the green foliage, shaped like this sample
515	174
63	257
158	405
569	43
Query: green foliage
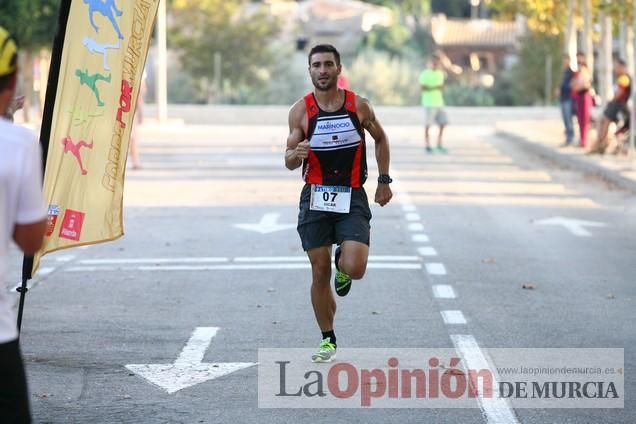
32	22
463	95
545	16
528	75
409	34
384	80
393	40
240	34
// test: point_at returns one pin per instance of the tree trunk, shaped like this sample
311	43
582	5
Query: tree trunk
632	132
588	44
627	45
605	54
26	84
570	34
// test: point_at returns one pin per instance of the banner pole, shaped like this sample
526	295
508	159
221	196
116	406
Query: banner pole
45	131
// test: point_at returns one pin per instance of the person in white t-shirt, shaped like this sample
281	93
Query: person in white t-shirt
23	219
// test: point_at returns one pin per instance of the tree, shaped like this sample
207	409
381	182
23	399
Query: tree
528	75
238	33
407	36
544	16
33	23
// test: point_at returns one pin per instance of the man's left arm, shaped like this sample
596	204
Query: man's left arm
369	122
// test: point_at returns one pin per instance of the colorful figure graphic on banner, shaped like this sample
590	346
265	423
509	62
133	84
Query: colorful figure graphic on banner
108	8
74	148
95	47
82	118
91	82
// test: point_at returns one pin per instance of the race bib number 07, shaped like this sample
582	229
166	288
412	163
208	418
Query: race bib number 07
330	198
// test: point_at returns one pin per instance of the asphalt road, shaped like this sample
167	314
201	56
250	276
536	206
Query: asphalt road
465	233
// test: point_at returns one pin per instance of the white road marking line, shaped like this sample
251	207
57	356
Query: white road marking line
244	259
150	260
65	258
239	259
89	268
45	270
435	268
381	265
271	259
444	291
453	317
416	226
495	409
413	217
42	272
420	238
409	208
427	251
242	267
393	258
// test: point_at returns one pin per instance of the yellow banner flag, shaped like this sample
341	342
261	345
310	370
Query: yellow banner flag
101	68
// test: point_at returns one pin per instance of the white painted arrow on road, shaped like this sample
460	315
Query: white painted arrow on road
575	226
267	225
188	370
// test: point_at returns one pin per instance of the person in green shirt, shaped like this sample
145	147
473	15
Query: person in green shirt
432	83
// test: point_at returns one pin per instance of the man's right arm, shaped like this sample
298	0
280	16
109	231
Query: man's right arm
29	229
29	237
297	148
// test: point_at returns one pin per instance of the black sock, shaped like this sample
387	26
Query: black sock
331	335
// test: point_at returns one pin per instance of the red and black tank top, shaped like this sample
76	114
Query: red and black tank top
337	154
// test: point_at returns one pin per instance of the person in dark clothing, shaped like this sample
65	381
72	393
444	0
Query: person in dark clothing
617	106
567	103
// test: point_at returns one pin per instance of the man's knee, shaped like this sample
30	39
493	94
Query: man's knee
353	267
320	268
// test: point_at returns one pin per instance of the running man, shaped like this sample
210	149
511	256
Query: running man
432	83
326	137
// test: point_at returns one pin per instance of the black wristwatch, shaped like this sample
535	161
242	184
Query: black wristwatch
385	179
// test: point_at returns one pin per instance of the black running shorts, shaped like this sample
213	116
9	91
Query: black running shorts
14	401
613	109
318	228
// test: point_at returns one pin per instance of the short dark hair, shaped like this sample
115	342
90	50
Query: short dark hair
6	80
324	48
620	60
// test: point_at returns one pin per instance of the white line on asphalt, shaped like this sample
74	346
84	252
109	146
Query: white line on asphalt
413	216
427	251
150	260
420	238
435	268
65	258
42	272
305	259
495	409
242	267
453	317
444	291
240	259
45	270
416	226
409	208
271	259
393	258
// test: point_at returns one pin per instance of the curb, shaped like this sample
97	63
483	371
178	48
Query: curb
568	161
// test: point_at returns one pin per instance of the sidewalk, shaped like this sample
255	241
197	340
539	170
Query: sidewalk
543	137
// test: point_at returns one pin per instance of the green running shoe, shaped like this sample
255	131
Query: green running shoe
326	352
441	149
341	282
